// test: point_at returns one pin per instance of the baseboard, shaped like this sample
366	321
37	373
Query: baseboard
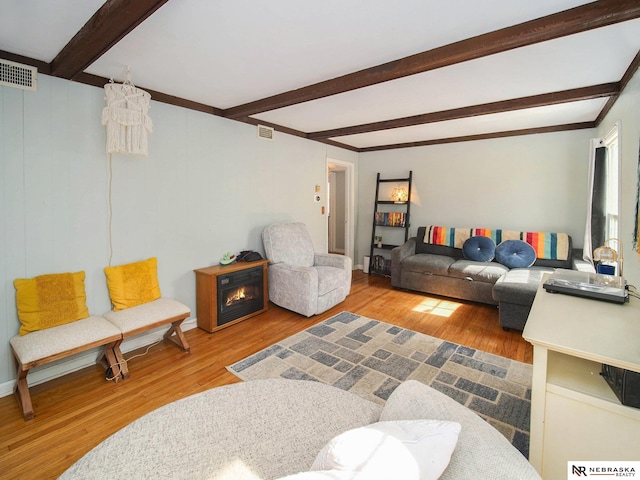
86	359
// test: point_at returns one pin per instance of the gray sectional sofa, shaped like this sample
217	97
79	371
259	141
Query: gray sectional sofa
433	262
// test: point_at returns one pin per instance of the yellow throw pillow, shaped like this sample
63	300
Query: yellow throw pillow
133	284
50	300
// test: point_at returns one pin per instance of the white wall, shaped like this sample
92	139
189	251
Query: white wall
532	182
208	186
627	111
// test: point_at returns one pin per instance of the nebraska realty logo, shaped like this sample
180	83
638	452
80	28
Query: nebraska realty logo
602	469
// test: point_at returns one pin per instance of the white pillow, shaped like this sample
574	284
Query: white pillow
407	449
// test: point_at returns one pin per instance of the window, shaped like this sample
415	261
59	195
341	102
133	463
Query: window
612	197
603	207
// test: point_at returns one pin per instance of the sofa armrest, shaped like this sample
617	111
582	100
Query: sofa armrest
398	254
582	265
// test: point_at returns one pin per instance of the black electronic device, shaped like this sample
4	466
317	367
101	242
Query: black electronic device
588	285
624	383
249	256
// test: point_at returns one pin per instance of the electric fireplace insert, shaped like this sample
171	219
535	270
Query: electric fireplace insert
227	294
239	294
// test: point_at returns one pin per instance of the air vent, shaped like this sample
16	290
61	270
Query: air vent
18	76
266	133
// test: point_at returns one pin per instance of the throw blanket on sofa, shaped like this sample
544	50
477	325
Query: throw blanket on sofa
548	245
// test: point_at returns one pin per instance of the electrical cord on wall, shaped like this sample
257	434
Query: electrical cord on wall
124	361
110	208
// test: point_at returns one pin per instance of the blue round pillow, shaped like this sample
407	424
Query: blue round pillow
479	249
515	254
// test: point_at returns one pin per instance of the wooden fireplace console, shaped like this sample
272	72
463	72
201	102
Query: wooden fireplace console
207	293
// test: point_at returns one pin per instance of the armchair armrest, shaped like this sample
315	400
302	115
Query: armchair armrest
332	260
336	261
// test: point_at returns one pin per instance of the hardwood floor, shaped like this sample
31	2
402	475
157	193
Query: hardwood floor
76	412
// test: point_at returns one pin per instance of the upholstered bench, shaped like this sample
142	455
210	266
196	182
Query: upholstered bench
141	318
55	320
55	323
138	305
45	346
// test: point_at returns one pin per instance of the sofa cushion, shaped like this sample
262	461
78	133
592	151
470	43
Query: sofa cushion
479	249
63	338
428	264
519	285
488	272
407	449
136	319
515	254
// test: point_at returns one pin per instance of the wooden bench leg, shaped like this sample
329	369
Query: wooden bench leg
112	362
179	338
124	368
22	393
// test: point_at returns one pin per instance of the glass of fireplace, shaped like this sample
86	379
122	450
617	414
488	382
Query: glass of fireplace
239	294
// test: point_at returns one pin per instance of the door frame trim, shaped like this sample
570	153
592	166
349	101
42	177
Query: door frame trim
350	226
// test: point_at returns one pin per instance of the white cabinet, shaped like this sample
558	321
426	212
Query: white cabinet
574	413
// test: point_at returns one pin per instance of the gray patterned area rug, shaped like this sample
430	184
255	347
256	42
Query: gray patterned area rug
371	358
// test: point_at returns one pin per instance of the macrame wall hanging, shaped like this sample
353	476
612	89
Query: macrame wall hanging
126	119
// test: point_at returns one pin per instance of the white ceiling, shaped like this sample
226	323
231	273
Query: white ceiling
230	52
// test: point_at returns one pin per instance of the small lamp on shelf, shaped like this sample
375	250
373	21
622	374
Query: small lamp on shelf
608	259
399	195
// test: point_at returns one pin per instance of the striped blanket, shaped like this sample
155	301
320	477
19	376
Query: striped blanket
552	246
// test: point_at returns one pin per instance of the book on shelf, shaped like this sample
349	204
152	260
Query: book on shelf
390	219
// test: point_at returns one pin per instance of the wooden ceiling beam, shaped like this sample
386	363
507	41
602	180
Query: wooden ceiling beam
112	21
43	67
97	81
545	99
483	136
579	19
631	70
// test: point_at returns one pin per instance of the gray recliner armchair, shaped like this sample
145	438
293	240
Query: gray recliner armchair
300	279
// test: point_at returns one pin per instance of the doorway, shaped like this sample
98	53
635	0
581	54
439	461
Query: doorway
336	215
341	206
